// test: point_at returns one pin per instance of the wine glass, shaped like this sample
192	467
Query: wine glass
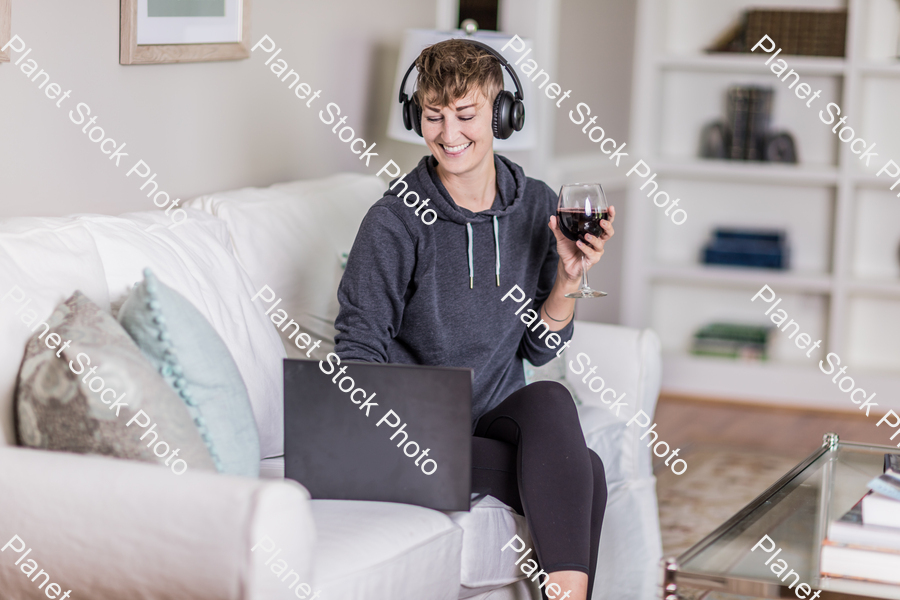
581	208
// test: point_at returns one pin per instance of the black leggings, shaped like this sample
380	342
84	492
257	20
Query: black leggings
529	453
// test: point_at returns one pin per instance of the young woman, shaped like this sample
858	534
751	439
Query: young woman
432	294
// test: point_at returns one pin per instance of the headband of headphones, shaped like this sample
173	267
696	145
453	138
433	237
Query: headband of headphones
500	57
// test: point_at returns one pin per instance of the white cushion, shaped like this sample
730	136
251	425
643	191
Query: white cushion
520	590
384	550
605	435
48	259
629	362
271	468
196	260
630	546
487	527
291	237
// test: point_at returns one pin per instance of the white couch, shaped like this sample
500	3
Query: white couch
109	529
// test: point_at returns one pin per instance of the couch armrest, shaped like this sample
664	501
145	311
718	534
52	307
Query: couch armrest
628	361
108	528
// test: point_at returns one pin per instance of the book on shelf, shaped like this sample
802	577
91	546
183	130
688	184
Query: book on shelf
744	135
758	116
738	115
732	340
747	248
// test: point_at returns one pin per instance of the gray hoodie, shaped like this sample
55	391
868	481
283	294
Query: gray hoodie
406	298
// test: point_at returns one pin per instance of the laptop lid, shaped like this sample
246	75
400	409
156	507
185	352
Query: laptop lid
370	431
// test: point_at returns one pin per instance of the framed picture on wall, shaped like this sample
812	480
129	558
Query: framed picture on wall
173	31
5	27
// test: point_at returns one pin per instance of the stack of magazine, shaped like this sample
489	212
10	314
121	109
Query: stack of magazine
732	340
864	544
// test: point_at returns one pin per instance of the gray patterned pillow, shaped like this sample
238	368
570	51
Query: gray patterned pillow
85	387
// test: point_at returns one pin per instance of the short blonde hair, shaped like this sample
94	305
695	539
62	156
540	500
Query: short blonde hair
449	70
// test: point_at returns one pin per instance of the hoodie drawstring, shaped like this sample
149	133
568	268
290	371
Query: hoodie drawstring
469	239
471	263
497	248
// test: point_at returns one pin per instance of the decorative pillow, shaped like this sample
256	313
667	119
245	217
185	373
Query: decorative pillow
197	260
192	358
85	387
555	370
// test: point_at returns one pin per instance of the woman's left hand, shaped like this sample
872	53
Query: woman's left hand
570	252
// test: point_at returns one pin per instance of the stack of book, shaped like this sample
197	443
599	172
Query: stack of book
799	32
731	340
864	544
745	134
763	249
749	111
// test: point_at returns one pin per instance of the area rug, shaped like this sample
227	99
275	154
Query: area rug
718	483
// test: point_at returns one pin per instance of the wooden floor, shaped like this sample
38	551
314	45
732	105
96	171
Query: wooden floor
684	423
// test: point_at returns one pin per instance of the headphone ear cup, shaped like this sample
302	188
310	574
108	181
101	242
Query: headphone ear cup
500	121
417	122
517	118
407	120
412	116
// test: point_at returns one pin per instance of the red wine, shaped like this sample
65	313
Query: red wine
575	223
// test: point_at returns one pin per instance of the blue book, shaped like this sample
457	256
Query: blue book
747	248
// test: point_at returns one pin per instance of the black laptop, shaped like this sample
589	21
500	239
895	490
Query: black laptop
338	427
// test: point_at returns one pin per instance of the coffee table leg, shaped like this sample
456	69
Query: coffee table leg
670	587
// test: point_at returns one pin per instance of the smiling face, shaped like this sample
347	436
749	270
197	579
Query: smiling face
460	135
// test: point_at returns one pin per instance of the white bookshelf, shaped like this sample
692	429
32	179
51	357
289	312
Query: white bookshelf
843	224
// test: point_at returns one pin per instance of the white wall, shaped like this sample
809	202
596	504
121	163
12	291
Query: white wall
595	61
201	126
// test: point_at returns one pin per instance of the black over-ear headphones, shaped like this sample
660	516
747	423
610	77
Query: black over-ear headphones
509	110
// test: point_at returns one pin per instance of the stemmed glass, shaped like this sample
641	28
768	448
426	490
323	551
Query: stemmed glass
581	208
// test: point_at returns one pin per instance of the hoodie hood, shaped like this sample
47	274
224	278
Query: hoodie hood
511	182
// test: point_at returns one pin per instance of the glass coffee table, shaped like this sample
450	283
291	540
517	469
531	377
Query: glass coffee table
794	513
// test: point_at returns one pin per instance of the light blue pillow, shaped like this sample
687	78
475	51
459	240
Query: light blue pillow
192	358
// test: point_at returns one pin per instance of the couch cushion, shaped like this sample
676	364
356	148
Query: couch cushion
60	410
520	590
291	237
487	527
196	260
272	468
385	550
42	262
605	435
629	362
191	357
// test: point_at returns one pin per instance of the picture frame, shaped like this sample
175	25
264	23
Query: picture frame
134	29
5	27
